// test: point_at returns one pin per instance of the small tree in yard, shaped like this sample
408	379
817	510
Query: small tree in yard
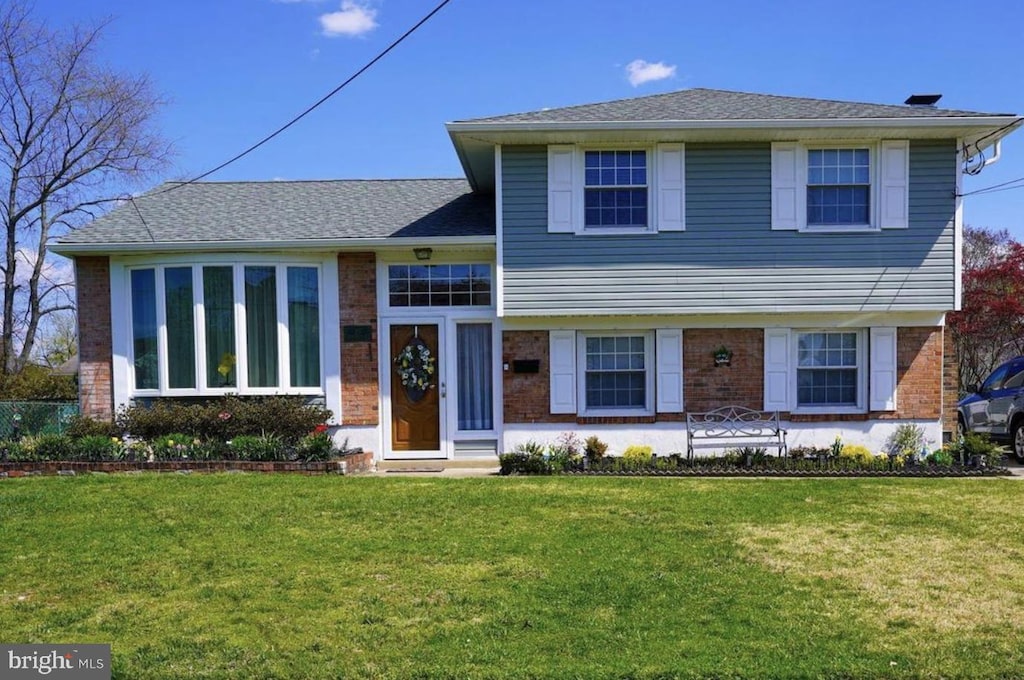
990	326
73	136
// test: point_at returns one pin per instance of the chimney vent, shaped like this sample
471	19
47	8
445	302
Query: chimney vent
922	99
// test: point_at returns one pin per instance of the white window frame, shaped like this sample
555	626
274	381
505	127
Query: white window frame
666	189
803	167
889	185
862	372
384	286
581	166
581	374
872	186
238	265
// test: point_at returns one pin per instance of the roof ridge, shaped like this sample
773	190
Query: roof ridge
636	100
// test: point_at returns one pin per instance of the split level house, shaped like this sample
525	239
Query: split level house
581	277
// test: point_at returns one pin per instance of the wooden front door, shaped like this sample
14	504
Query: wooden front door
416	404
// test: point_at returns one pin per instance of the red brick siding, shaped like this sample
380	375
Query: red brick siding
950	384
526	395
919	387
357	283
919	374
92	285
919	356
741	383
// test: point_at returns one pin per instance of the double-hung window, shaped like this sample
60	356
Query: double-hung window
621	191
615	189
226	327
828	369
840	187
617	373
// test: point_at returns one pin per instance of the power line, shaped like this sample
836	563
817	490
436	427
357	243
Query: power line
978	141
995	191
985	190
309	110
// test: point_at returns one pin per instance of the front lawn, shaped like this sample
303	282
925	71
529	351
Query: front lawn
321	577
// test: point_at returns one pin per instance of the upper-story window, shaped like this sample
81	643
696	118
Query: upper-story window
439	285
226	327
615	189
840	187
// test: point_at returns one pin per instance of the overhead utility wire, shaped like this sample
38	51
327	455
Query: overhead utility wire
996	132
309	110
1003	186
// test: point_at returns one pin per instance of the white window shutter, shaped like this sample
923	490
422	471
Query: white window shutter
561	193
776	369
883	369
787	193
894	184
671	187
668	360
563	371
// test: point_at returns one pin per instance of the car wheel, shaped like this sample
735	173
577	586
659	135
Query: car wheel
961	428
1017	439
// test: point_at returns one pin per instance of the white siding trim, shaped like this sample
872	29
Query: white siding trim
883	369
958	233
788	200
499	236
668	357
776	369
120	336
330	336
562	356
893	184
670	189
562	209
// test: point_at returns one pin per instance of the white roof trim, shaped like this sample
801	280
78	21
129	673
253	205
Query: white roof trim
530	126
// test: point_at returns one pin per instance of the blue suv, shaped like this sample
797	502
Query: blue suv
997	406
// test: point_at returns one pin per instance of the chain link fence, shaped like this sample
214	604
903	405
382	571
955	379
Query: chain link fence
22	418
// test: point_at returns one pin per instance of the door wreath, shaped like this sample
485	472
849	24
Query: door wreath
416	365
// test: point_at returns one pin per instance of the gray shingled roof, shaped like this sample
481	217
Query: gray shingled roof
705	104
284	211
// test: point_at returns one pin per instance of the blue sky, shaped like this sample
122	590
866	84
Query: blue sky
234	70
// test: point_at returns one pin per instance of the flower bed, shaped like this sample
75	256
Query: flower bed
905	455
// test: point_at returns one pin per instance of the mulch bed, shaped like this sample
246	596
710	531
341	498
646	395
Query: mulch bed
352	463
825	472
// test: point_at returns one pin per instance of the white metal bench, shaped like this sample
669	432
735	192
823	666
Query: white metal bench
733	426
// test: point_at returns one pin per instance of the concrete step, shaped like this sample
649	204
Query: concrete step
439	466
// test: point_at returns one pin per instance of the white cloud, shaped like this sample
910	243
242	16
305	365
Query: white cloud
639	71
353	19
55	269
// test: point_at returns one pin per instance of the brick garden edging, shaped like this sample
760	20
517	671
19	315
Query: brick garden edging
348	464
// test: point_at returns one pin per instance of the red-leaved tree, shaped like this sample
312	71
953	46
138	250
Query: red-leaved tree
990	326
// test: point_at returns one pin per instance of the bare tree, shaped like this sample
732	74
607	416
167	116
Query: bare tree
984	247
58	341
74	136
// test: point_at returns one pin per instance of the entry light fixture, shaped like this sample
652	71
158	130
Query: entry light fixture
423	253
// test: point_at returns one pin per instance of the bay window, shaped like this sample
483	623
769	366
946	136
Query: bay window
226	327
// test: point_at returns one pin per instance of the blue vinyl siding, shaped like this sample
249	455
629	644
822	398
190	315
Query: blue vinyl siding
729	259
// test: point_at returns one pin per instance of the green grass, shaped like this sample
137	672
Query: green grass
322	577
